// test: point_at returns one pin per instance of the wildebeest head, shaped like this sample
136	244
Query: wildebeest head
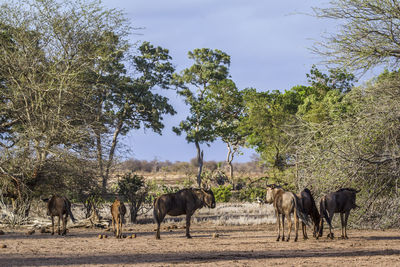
208	198
270	194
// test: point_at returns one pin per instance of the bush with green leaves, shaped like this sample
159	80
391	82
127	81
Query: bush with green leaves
252	194
222	193
135	190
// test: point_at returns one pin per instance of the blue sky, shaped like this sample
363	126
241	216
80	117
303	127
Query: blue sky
269	43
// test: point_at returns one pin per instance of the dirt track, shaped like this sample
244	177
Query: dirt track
235	246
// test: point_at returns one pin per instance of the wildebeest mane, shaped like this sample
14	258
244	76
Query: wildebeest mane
348	189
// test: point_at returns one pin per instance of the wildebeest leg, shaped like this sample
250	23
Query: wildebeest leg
117	221
59	221
159	220
289	220
64	219
315	231
283	227
113	225
304	229
331	213
52	225
188	217
296	227
158	230
120	225
346	217
342	224
278	225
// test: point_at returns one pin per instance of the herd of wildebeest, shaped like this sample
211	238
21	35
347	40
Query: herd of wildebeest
187	201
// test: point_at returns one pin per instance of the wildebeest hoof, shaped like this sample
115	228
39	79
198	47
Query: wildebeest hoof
189	236
52	233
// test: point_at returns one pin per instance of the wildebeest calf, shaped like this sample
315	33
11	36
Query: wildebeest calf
61	207
118	211
185	201
341	201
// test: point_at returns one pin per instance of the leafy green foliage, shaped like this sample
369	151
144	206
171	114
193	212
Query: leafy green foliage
274	119
202	86
130	184
135	190
222	193
252	194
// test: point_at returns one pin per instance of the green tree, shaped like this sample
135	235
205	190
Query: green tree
128	102
229	103
133	187
274	119
197	84
359	149
71	86
45	94
265	121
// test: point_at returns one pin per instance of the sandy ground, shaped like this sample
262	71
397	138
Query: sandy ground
235	246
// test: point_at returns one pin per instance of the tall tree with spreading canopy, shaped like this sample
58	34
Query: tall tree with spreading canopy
71	85
197	84
229	103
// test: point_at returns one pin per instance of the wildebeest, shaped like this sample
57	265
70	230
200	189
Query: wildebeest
285	203
61	207
118	211
309	208
341	201
185	201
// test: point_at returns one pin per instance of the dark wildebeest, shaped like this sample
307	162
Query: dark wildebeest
285	203
118	211
309	208
185	201
341	201
61	207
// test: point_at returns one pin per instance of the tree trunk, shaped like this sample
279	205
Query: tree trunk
133	211
200	162
229	159
111	154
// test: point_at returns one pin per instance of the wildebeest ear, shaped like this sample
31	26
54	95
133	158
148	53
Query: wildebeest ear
204	186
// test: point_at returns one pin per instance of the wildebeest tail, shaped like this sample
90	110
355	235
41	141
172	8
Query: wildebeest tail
156	210
322	211
68	205
300	212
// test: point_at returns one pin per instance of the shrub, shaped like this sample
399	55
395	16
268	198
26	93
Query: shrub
252	194
222	193
135	190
